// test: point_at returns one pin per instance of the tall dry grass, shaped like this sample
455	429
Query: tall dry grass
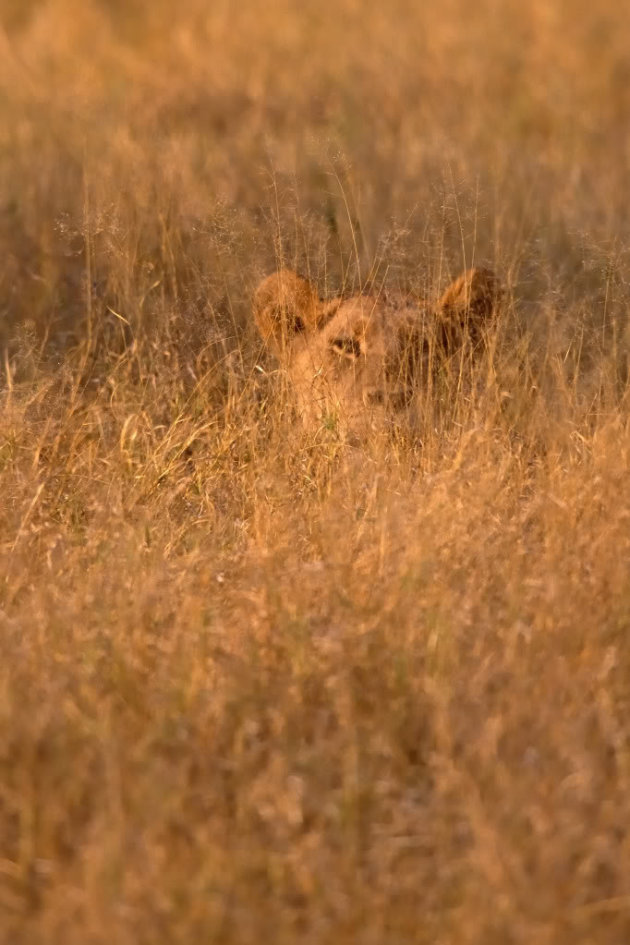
256	683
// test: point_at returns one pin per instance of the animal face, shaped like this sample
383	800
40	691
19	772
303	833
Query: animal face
358	360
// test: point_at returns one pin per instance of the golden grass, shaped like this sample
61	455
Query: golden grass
256	683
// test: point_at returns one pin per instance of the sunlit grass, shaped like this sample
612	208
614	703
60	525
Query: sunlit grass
257	681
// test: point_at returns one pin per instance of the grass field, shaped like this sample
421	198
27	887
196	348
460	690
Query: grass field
256	683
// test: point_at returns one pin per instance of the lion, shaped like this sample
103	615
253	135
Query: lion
353	361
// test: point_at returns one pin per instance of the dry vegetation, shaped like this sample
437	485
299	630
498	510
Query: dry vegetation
256	683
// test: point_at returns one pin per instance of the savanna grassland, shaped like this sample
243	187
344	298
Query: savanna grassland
258	683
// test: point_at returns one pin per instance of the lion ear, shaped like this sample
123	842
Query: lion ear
284	305
473	297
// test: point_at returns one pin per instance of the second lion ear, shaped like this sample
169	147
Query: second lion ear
475	294
284	305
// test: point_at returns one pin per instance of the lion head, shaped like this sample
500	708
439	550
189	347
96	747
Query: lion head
355	360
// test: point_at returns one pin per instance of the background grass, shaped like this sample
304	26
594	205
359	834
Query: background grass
256	683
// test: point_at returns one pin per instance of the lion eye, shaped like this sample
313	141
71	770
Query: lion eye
347	347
